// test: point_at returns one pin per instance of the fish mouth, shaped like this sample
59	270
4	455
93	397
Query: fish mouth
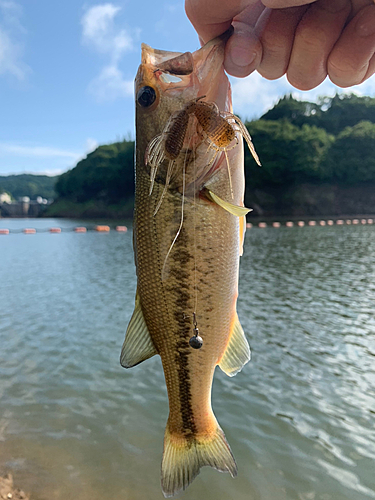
197	73
176	81
182	63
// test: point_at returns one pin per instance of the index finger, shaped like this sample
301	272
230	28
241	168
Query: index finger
352	59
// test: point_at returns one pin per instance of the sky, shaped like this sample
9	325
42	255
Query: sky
67	71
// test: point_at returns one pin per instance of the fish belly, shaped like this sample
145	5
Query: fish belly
200	275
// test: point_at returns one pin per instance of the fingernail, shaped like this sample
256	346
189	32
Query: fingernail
366	23
241	56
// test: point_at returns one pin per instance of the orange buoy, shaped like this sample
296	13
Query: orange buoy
276	224
121	229
363	221
80	229
301	223
370	221
262	225
355	221
102	229
249	225
55	230
322	222
312	223
4	231
330	222
289	223
29	230
348	221
340	222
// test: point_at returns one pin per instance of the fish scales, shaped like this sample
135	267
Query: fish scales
166	303
187	241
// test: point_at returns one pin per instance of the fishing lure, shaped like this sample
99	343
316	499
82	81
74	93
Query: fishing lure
218	129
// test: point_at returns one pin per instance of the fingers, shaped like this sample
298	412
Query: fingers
352	60
316	35
243	51
306	39
357	5
281	4
211	18
277	41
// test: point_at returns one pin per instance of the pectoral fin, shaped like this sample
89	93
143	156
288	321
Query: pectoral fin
237	353
229	207
138	344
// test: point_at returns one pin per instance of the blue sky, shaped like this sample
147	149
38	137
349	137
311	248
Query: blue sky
67	70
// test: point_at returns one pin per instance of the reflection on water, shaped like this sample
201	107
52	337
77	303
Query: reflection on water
299	417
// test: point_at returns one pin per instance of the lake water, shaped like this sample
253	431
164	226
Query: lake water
300	417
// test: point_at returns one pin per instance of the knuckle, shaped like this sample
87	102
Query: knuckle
313	38
346	72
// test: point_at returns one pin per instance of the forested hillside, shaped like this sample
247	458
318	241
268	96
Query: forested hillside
312	154
101	185
28	185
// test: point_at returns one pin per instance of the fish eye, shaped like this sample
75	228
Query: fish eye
146	96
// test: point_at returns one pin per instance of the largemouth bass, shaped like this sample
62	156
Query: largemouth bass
189	226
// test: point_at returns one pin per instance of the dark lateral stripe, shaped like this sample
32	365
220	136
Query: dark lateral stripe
183	308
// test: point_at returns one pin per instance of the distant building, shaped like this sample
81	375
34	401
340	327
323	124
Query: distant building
24	207
5	198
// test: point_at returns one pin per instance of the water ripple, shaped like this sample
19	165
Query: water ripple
299	417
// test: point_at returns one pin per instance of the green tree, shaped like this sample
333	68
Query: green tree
295	111
351	158
345	110
28	185
331	113
289	154
105	174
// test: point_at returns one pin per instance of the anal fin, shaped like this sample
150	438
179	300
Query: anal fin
237	352
138	345
242	233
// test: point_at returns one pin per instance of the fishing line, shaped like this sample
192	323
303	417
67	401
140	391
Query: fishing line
182	217
195	341
195	235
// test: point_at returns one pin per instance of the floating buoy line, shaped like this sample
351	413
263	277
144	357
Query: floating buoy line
249	225
302	223
57	230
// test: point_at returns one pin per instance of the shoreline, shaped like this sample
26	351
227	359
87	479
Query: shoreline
9	491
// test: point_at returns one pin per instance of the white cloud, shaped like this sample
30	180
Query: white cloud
100	32
46	160
11	49
110	85
36	151
91	145
254	95
52	172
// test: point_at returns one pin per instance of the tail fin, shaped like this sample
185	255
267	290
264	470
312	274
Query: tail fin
183	458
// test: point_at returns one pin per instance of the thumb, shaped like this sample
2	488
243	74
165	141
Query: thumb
243	51
211	18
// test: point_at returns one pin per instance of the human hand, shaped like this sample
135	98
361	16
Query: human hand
304	39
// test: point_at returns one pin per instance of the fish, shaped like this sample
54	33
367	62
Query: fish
188	233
